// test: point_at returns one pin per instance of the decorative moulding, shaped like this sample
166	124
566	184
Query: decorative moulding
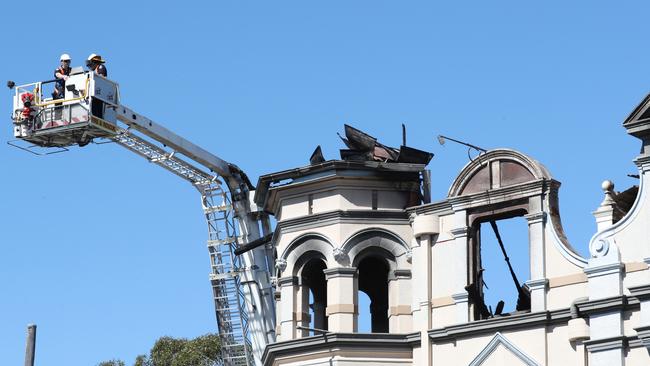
340	255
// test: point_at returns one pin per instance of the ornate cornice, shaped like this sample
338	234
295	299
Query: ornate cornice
338	216
341	342
504	194
495	324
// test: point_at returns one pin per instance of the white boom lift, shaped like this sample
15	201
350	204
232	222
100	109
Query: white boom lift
91	110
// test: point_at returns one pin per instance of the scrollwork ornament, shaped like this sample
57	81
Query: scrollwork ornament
599	248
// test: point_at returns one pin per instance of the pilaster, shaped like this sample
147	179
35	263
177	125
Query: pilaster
287	324
605	279
461	236
342	299
537	294
399	302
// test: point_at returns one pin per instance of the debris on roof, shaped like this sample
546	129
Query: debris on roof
316	156
363	147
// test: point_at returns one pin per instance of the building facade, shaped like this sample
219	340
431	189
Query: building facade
364	225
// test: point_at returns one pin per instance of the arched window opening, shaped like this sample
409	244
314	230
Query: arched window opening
373	281
500	266
364	321
313	280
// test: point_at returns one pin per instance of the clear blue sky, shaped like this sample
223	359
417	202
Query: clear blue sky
106	252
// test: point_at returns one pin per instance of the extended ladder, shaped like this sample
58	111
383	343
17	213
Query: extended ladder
229	300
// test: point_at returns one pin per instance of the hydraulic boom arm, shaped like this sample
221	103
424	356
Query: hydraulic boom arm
91	109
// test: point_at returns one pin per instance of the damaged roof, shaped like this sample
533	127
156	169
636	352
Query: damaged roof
363	147
363	153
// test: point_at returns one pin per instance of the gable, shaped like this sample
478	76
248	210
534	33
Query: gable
500	351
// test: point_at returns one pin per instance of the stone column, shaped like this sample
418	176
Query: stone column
605	282
461	271
342	299
538	283
399	301
461	243
288	291
425	228
302	308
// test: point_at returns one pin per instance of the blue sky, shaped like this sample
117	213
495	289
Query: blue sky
106	252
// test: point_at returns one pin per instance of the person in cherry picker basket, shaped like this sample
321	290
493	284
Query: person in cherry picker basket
61	74
96	63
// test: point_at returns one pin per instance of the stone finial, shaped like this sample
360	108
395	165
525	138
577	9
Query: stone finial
608	189
608	212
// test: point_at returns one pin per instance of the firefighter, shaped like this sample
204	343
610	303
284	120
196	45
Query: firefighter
95	63
61	74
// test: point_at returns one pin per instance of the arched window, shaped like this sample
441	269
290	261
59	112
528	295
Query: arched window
314	293
373	281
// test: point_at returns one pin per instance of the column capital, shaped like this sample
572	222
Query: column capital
539	284
288	281
330	273
536	217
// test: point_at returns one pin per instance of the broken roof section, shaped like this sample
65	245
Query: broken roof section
364	156
363	147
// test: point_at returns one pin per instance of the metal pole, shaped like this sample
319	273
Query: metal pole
505	255
30	349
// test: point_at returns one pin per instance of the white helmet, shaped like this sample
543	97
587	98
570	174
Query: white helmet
64	57
92	55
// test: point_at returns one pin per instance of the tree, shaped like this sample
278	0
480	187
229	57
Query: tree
111	363
169	351
141	360
200	351
165	349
